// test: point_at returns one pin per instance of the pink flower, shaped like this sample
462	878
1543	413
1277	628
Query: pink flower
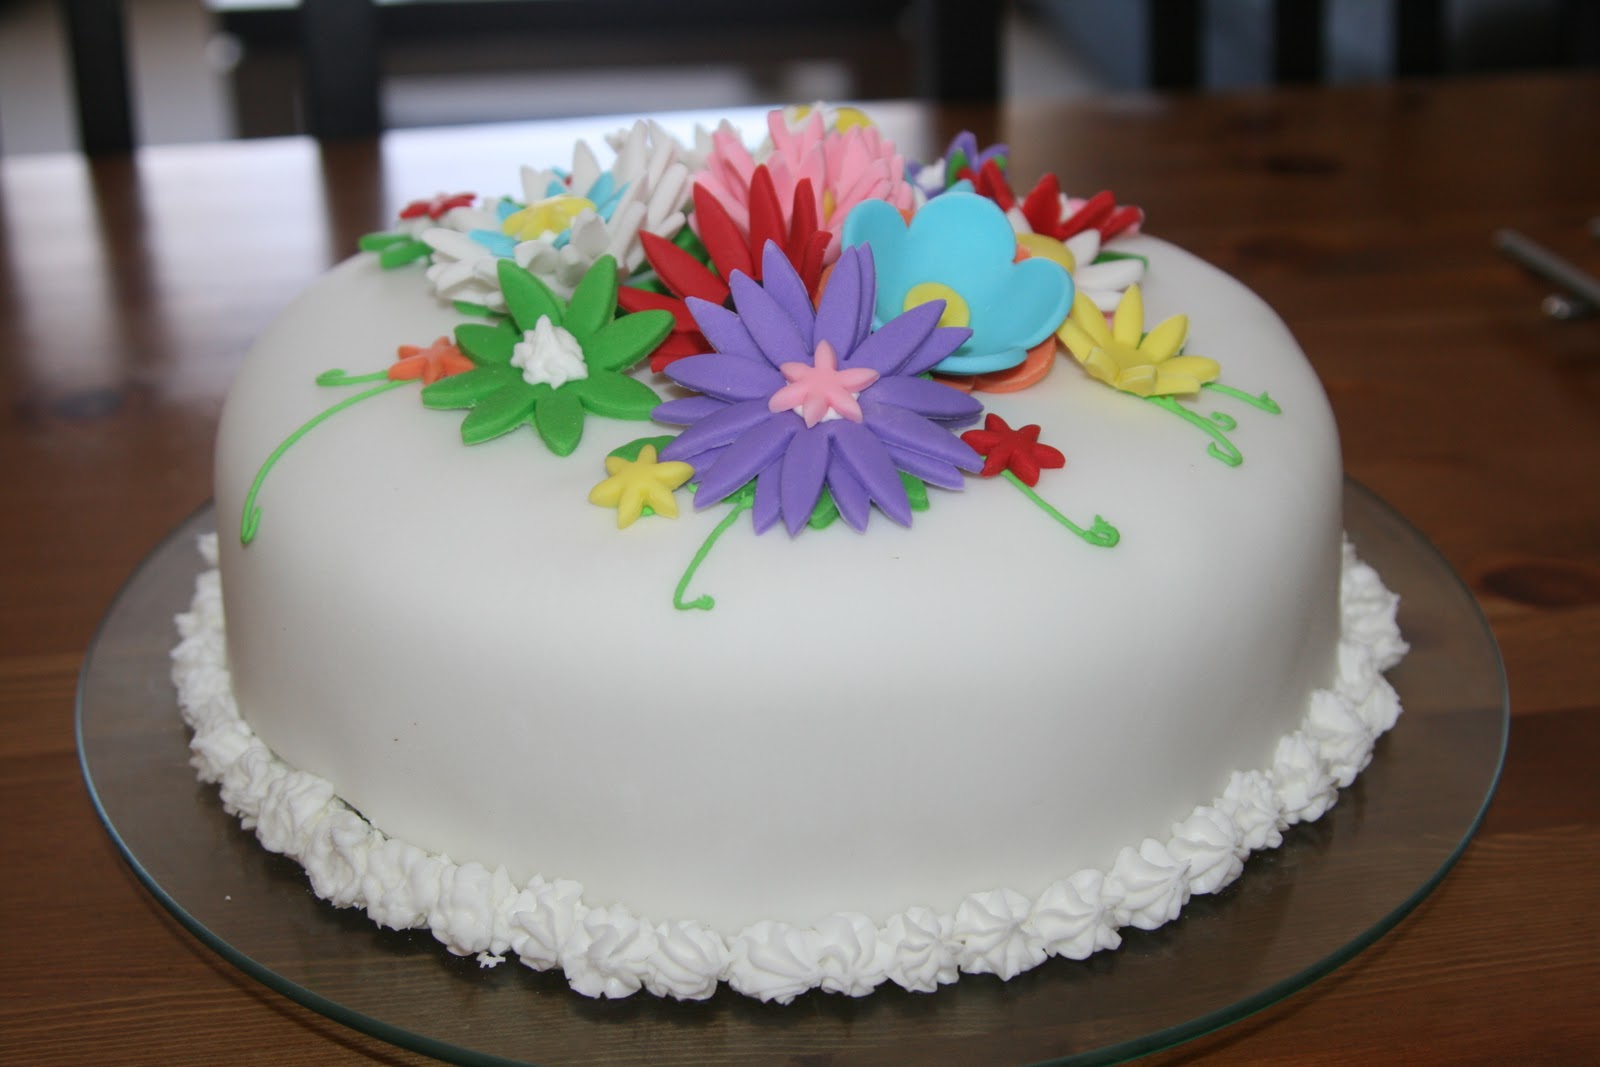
844	167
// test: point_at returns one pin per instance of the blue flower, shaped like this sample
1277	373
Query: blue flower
960	248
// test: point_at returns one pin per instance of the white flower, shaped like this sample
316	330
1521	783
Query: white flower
1103	283
651	188
463	269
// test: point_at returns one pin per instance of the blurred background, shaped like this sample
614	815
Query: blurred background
203	70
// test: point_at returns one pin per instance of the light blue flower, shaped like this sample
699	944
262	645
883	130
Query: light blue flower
960	248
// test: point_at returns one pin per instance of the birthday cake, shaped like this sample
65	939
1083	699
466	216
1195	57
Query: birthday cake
779	564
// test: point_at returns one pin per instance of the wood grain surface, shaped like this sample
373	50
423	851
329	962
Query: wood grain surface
130	288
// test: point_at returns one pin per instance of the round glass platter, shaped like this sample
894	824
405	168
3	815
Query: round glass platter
1333	888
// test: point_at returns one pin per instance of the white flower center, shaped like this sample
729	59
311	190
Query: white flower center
549	354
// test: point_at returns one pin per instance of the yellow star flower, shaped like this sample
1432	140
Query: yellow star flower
640	483
550	215
1125	357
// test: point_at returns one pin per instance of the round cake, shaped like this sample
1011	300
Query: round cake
779	738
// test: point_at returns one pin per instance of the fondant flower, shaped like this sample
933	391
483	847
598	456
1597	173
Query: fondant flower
732	248
1100	213
465	253
638	483
1017	451
960	249
846	166
1126	358
404	244
801	398
646	190
552	361
439	360
1045	209
566	221
1103	281
962	158
1081	226
435	207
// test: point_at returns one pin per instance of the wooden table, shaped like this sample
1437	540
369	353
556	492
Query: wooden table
131	287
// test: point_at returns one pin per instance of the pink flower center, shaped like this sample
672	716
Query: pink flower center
819	390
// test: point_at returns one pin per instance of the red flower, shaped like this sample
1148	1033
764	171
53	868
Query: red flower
437	206
1017	451
1046	211
990	181
439	360
802	240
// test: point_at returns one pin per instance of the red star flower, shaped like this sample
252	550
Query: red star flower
1017	451
803	243
1045	210
439	360
436	206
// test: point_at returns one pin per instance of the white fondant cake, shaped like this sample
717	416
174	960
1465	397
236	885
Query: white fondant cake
464	699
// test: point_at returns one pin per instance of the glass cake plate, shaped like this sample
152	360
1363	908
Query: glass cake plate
1298	912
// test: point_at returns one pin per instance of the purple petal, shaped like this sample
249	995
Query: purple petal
714	431
726	377
887	349
935	400
860	451
747	457
840	306
687	410
910	431
936	347
704	461
766	510
869	292
724	330
932	471
805	464
783	284
849	496
774	332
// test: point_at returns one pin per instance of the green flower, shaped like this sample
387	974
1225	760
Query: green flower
511	382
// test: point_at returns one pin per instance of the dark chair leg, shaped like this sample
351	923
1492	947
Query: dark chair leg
958	49
1173	29
1297	31
339	47
1419	35
97	44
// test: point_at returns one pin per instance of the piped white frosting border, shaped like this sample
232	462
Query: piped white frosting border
611	952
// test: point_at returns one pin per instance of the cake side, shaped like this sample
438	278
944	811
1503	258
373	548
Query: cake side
612	951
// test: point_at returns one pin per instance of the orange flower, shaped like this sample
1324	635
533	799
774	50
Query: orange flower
439	360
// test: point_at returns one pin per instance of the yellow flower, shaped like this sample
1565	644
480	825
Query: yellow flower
640	483
550	215
1125	357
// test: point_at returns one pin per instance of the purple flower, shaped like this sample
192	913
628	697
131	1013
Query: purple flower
962	154
770	409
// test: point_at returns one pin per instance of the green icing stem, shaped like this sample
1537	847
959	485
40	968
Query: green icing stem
706	603
1100	533
250	520
1262	402
1220	447
339	376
